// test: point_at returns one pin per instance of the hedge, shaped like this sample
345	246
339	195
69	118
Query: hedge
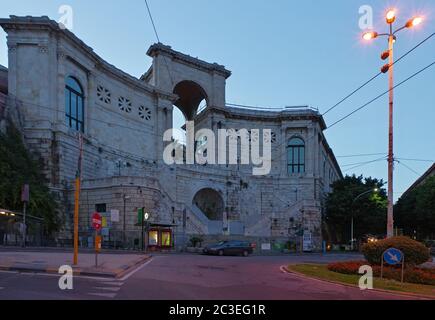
415	252
411	274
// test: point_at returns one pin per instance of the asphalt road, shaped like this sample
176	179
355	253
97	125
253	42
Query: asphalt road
193	277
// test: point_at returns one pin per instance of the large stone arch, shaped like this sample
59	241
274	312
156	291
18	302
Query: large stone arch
190	94
170	68
211	203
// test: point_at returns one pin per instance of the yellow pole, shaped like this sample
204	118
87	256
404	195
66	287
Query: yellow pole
76	221
77	202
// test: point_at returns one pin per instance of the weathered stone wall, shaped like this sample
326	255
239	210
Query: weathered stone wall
125	119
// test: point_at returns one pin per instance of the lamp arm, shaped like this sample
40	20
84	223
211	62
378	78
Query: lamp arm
400	29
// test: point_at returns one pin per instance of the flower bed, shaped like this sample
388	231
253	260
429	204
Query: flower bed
411	274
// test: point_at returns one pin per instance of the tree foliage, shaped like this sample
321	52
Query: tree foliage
415	211
17	168
346	200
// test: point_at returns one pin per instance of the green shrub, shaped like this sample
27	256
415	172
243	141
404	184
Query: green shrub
415	252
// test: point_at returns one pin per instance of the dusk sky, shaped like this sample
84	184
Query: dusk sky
283	53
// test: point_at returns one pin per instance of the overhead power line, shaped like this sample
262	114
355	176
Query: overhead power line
381	95
158	40
377	75
417	160
409	168
370	102
362	155
364	164
152	21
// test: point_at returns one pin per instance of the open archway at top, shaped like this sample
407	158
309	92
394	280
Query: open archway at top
191	98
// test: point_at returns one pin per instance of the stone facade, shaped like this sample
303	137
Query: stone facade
124	122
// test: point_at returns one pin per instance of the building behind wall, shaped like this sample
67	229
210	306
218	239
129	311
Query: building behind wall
123	120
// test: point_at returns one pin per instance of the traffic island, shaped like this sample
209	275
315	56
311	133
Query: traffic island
323	273
109	265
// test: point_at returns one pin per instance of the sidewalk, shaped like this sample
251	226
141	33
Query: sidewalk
109	265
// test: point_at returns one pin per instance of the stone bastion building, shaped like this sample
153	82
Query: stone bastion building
56	86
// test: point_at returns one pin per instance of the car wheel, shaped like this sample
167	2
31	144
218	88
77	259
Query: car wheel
221	253
245	253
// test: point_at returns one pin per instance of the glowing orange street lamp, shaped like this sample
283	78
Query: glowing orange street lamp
370	35
389	54
391	16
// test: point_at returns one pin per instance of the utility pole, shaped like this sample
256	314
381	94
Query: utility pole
390	217
370	35
124	237
77	201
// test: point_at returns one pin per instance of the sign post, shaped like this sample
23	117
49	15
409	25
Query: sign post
143	217
25	198
97	224
393	257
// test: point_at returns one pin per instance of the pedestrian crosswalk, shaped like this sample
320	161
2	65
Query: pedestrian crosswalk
106	289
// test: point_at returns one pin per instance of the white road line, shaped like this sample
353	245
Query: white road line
57	275
136	270
120	284
113	289
104	295
2	288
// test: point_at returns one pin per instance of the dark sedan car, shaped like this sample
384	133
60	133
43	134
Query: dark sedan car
229	248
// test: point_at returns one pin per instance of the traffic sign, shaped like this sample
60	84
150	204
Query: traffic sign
97	221
393	256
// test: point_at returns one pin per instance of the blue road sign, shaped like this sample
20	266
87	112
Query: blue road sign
393	256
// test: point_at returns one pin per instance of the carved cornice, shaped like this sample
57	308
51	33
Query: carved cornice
160	48
45	23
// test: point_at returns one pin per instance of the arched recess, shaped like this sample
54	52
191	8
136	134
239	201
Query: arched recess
191	95
211	203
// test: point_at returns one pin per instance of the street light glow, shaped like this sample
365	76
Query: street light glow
370	35
391	16
414	22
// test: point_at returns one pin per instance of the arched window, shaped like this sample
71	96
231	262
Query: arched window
296	155
74	105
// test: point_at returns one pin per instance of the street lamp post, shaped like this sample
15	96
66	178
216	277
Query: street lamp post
352	219
124	198
391	18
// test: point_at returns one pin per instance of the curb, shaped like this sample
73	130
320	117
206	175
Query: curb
398	293
118	273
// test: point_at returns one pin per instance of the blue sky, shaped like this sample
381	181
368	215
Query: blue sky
281	53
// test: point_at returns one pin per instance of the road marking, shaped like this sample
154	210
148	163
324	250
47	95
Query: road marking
104	295
136	270
120	284
2	288
113	289
57	275
283	269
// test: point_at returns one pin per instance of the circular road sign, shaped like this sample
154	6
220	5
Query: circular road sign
97	221
393	256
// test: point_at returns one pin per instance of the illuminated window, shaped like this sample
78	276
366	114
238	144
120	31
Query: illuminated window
296	155
166	239
153	238
74	105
